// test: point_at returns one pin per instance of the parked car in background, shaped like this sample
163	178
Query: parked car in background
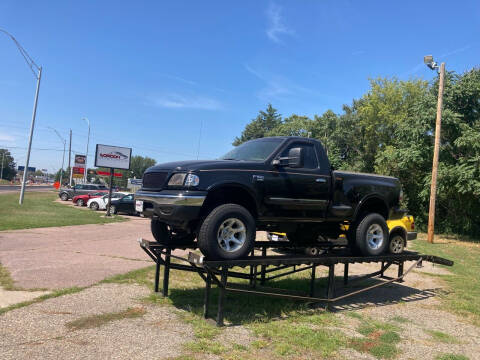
100	203
401	231
80	189
81	200
125	204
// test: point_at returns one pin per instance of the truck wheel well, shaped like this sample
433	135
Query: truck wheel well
229	195
373	205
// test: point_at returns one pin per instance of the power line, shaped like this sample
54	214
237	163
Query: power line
40	149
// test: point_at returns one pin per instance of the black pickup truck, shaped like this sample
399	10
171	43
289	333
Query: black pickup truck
275	184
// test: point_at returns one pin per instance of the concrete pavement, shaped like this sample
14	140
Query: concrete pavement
68	256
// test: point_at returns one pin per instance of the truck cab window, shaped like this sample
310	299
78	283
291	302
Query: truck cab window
309	155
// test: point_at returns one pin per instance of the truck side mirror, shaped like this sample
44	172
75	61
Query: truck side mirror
295	157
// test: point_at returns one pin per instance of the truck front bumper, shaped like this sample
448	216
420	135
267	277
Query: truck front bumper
174	207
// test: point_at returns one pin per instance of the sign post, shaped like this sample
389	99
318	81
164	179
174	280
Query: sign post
110	192
113	157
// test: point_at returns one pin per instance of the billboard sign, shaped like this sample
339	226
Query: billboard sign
80	161
115	157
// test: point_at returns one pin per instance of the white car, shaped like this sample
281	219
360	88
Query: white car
100	203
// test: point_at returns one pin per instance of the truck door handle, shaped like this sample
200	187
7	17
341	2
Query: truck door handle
321	180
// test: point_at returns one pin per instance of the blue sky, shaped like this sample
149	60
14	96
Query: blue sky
148	74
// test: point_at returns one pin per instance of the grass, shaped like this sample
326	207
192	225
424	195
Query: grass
464	283
94	321
442	337
451	357
40	210
296	335
6	280
379	339
400	319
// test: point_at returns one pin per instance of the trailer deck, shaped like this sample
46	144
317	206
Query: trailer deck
264	267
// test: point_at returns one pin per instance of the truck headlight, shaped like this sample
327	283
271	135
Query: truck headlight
177	179
192	180
183	179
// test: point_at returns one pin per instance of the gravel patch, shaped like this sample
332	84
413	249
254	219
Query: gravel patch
39	332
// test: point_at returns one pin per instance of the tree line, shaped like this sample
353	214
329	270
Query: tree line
390	131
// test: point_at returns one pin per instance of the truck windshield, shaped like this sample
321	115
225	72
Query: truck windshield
254	150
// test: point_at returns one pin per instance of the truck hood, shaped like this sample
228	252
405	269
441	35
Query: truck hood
195	165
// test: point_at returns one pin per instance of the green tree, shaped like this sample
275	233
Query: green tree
139	164
9	165
390	130
260	126
294	125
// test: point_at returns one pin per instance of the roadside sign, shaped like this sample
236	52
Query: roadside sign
114	157
30	169
107	173
80	161
78	170
135	181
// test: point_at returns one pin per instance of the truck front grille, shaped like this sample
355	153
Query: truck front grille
154	180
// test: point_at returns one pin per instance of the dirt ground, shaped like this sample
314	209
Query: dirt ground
56	258
41	330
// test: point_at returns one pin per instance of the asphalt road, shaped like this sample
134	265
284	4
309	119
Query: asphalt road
10	188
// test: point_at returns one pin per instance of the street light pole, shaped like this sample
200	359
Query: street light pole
32	127
86	155
3	157
69	159
38	76
436	149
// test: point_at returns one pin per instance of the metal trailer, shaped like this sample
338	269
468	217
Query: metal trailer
264	267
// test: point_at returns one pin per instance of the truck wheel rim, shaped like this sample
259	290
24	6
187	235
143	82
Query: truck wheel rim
374	236
396	245
231	234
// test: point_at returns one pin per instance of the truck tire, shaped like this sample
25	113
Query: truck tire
64	196
397	244
371	235
228	232
160	232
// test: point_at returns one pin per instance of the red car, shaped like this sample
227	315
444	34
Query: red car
81	200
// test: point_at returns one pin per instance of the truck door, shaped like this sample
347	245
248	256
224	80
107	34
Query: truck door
299	192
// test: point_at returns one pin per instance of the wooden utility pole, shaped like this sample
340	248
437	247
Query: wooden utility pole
436	150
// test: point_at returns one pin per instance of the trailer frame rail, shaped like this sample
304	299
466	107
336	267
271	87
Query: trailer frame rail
217	272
